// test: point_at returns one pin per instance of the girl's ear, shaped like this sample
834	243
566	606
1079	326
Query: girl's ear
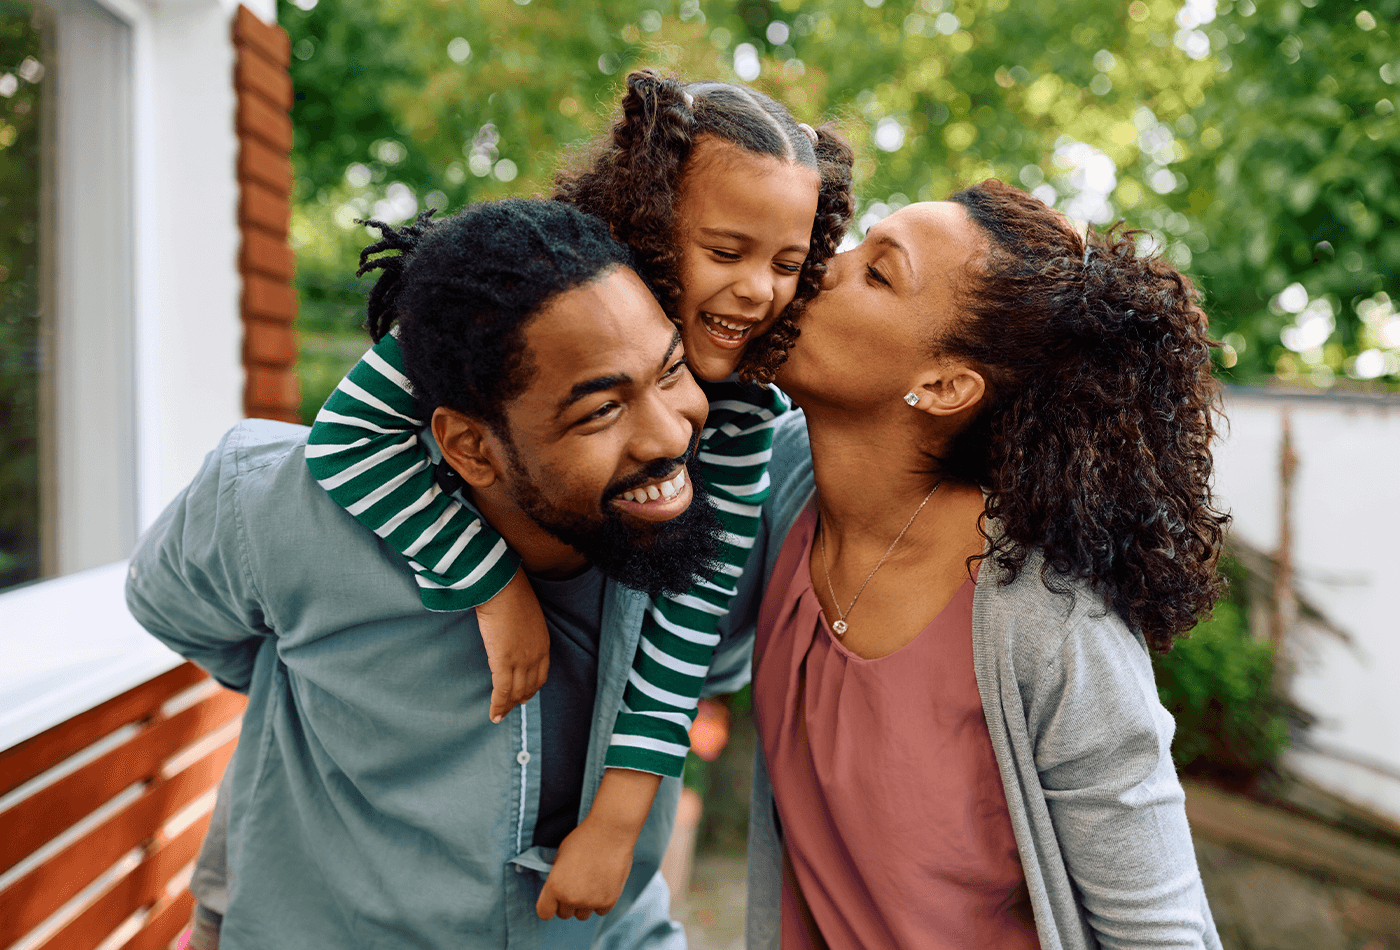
947	389
468	446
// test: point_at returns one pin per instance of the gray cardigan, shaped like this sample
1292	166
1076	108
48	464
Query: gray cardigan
1084	748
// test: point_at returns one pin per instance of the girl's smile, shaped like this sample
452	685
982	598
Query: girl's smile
744	226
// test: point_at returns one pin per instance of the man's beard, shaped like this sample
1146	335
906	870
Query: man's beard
667	557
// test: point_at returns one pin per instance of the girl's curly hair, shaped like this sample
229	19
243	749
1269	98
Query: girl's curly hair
1094	446
632	180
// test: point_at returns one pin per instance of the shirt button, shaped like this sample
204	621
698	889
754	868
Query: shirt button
522	757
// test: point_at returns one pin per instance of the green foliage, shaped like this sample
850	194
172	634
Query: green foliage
1259	145
1218	683
21	51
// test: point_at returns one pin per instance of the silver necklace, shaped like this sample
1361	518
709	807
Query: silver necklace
840	626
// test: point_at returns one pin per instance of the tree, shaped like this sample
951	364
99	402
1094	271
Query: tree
1257	145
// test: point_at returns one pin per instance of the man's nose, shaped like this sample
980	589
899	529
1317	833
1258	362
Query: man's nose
667	424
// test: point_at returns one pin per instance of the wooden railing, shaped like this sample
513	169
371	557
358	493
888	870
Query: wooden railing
101	817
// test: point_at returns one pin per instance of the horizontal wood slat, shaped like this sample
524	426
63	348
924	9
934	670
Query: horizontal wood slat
260	208
30	900
36	820
268	299
140	887
35	756
255	72
272	41
166	921
262	120
257	162
267	256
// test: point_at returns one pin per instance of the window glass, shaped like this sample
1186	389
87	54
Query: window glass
24	82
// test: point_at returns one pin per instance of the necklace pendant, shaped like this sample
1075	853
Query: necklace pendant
839	628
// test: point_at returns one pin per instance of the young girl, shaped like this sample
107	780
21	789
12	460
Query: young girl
733	209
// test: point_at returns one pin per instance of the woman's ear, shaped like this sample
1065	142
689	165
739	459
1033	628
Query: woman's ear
947	389
468	446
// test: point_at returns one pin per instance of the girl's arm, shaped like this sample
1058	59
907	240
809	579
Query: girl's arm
679	634
365	451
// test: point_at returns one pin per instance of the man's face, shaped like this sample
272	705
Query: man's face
600	440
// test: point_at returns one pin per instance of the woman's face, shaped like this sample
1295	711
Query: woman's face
869	332
744	224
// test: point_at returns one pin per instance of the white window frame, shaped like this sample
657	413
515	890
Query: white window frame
144	380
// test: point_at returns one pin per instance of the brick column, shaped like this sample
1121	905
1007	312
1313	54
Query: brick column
266	261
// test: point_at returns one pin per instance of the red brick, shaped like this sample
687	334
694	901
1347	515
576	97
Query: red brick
270	40
254	72
271	344
271	389
267	255
268	299
262	120
257	162
261	208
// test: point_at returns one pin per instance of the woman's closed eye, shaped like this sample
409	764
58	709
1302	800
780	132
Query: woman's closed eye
875	275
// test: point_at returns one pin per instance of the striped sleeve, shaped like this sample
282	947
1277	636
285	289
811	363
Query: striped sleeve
364	450
680	632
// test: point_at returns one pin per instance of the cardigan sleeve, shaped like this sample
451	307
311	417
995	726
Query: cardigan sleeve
1103	752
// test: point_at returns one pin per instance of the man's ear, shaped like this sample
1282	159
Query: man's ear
468	445
948	388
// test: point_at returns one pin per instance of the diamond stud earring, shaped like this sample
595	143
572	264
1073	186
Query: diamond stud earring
911	398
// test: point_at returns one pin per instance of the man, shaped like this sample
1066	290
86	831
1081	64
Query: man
372	803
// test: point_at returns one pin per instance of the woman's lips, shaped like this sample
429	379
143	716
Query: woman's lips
724	332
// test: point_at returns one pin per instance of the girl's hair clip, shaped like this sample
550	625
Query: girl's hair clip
689	100
811	132
1087	248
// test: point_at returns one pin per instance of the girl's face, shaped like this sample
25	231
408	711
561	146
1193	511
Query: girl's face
744	225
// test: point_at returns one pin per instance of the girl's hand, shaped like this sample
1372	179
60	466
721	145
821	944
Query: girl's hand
589	873
517	645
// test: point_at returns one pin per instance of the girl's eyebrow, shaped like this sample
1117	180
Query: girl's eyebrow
741	236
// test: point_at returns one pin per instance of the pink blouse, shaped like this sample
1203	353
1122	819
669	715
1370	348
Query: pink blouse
891	805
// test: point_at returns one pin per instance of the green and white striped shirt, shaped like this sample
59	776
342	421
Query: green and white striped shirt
365	451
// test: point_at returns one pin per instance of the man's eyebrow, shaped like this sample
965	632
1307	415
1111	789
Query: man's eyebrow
741	236
600	384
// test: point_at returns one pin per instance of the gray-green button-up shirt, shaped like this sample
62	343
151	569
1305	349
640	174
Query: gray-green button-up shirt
373	804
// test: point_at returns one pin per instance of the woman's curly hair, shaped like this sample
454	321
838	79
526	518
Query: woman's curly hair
1095	443
632	180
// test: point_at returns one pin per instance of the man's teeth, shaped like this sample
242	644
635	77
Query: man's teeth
665	490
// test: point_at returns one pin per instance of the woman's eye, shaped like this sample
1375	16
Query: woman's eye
875	275
787	268
725	255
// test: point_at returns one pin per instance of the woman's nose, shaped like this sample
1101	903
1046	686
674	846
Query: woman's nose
834	269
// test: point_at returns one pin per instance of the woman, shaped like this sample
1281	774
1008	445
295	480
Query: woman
1009	503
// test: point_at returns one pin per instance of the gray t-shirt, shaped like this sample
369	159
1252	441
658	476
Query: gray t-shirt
573	612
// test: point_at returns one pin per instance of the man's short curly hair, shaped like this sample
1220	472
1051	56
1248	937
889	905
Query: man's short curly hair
462	290
632	180
1094	446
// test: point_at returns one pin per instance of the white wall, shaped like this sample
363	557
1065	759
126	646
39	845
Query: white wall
1346	551
69	643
